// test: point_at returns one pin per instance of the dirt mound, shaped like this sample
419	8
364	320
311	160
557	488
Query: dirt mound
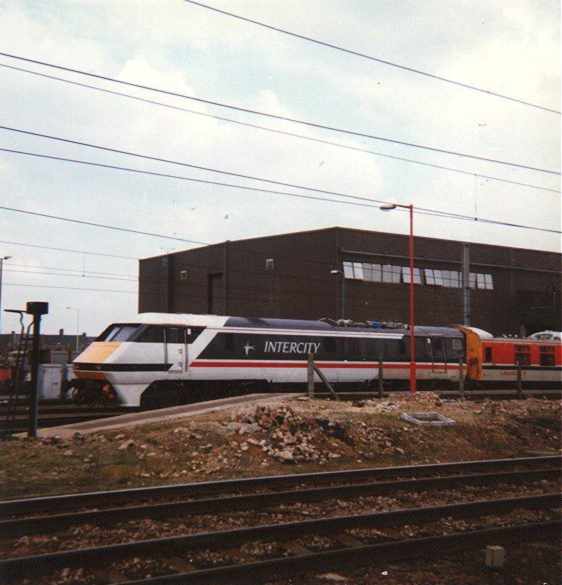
291	437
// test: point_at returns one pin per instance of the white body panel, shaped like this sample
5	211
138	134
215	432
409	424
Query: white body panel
181	362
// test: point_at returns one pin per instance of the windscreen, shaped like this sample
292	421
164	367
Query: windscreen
119	332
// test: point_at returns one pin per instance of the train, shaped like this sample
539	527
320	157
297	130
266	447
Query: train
161	359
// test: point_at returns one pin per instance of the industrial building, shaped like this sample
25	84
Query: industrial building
363	275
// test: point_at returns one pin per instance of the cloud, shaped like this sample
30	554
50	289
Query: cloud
511	48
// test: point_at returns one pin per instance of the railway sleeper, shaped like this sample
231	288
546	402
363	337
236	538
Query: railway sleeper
18	567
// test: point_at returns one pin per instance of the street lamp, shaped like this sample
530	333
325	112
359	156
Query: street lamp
1	271
410	208
77	325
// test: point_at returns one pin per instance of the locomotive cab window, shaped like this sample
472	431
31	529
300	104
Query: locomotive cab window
546	354
119	332
193	333
151	334
175	334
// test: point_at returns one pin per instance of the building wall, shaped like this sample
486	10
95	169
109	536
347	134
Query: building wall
290	276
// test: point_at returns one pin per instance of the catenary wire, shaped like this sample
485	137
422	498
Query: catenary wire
289	119
66	275
27	285
210	169
419	210
79	269
232	296
195	180
372	58
282	132
99	225
70	250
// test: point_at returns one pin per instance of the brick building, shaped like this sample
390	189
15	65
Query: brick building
360	275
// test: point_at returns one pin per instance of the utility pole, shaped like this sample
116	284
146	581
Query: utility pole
37	309
467	317
412	318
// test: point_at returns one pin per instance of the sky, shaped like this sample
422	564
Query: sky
511	48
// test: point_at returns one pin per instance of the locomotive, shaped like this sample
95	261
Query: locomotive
161	359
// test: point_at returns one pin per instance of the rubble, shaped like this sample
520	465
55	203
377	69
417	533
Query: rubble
305	435
290	437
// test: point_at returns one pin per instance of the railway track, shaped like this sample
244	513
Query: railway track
343	534
488	394
56	415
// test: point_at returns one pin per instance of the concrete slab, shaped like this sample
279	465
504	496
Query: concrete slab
160	415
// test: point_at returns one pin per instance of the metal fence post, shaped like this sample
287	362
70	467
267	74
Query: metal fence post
461	379
310	375
519	379
381	379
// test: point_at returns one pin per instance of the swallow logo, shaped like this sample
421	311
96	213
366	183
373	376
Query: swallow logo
248	348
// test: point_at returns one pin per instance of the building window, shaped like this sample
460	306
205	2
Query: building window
183	274
372	272
435	277
391	274
406	275
451	278
269	263
481	281
348	270
358	270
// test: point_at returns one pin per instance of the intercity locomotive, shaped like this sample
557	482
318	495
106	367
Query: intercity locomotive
161	359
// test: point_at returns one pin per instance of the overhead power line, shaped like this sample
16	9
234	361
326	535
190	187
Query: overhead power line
203	168
196	180
67	275
359	202
182	164
70	250
281	132
376	59
288	118
80	271
106	290
99	225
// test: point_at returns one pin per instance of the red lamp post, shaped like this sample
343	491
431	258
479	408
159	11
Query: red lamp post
410	208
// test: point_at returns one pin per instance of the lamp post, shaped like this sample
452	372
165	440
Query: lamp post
77	326
2	259
410	208
336	272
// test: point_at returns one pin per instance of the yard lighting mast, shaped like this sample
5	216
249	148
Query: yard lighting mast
410	208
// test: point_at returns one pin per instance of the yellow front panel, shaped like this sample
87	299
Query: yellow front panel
97	352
